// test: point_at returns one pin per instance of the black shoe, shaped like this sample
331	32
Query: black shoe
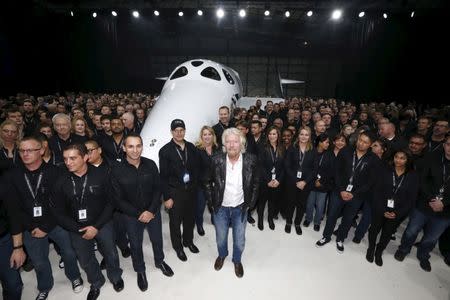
322	242
126	252
260	225
335	232
118	286
165	269
298	229
370	254
93	294
356	240
77	285
192	248
306	223
200	230
447	260
218	264
271	224
378	259
103	264
340	247
61	263
239	270
287	228
181	255
42	296
316	227
425	265
250	219
142	281
400	256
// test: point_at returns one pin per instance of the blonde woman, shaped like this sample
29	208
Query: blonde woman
81	128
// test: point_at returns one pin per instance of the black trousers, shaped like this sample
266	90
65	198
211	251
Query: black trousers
270	196
296	199
182	212
387	228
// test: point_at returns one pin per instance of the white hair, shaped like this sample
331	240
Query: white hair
235	132
61	116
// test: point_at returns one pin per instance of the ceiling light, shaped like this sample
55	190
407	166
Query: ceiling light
309	13
114	13
94	15
337	14
361	14
135	14
180	14
200	12
267	13
156	13
287	14
220	13
242	13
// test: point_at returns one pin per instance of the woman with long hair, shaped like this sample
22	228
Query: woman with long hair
271	158
300	174
81	128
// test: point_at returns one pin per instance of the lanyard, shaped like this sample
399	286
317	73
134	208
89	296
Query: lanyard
273	154
5	151
396	187
432	150
184	162
80	200
355	167
301	157
118	148
38	184
321	159
59	143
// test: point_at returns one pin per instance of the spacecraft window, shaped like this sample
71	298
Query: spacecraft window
197	63
211	73
228	76
179	73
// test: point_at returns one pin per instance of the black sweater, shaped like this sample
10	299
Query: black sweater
308	169
57	146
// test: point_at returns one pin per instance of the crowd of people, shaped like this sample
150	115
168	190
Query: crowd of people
72	174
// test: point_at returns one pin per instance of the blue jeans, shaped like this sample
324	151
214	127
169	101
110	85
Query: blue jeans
88	261
37	249
315	200
200	208
9	277
120	232
433	227
135	231
222	219
366	219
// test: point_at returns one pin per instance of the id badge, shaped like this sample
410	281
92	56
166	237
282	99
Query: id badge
186	177
349	188
118	160
37	211
82	214
299	174
318	176
390	203
272	171
274	176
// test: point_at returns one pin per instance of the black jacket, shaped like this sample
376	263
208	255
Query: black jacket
215	182
97	200
308	169
269	160
57	146
111	151
135	190
205	162
325	166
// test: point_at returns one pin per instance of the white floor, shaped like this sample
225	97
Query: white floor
276	265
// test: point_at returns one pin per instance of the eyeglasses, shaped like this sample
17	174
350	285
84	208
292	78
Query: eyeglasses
22	151
92	149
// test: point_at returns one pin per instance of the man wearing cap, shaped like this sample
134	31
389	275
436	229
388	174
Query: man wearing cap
178	164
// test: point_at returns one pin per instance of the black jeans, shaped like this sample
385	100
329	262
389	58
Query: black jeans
270	196
120	232
182	212
135	230
387	228
86	255
296	199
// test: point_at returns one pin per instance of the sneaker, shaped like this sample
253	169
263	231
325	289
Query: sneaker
61	263
77	285
400	256
42	296
425	265
340	247
306	223
356	240
316	227
322	242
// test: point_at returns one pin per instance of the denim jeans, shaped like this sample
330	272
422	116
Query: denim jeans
38	249
88	261
223	217
366	219
120	232
315	200
135	231
433	227
9	277
200	207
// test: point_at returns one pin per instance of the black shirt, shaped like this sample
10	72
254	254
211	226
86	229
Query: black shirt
295	162
325	165
112	151
57	146
270	160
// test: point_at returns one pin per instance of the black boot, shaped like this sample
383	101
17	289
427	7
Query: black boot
378	258
370	253
260	224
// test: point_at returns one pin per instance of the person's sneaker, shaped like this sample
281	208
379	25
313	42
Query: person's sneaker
400	256
42	296
126	252
356	240
340	247
425	265
77	285
306	223
322	242
93	294
316	227
61	263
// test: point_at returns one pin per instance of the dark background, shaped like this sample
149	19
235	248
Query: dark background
43	50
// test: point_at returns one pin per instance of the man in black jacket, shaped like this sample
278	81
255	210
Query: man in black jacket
136	192
231	189
81	205
224	123
432	211
178	163
30	189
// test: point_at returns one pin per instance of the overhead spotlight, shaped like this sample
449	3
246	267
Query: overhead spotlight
200	12
305	43
385	15
287	14
309	13
412	14
71	13
220	13
156	13
180	14
114	13
361	14
242	13
267	12
135	14
337	14
94	15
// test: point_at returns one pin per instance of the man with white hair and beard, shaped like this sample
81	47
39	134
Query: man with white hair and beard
231	189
